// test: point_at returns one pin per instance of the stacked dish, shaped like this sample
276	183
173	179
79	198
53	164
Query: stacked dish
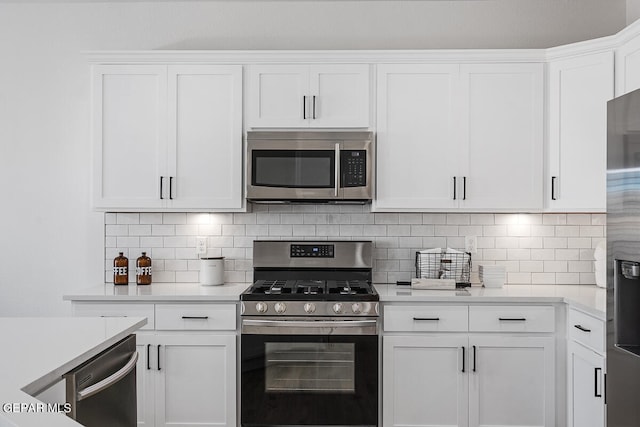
492	276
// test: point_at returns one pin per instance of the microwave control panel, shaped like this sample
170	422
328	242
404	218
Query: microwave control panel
353	165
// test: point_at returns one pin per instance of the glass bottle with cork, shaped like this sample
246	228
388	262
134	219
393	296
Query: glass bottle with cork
143	270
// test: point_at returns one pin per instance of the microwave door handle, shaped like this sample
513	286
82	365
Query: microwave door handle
337	169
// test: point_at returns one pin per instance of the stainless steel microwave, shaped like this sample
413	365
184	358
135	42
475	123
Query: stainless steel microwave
310	166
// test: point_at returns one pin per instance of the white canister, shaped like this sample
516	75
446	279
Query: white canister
212	271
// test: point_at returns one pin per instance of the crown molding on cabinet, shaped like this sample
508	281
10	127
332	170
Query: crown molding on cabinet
629	32
317	56
601	44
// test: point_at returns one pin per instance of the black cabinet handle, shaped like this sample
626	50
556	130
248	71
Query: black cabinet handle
454	188
464	188
596	371
511	319
474	358
435	319
158	357
304	107
605	389
148	361
553	187
463	359
170	188
314	106
196	317
582	328
161	190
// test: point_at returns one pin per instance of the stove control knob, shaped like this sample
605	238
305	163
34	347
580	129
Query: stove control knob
261	307
280	307
309	307
337	308
356	307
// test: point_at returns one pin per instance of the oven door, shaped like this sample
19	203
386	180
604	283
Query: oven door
293	170
303	376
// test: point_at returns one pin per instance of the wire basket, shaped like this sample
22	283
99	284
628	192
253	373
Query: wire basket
445	265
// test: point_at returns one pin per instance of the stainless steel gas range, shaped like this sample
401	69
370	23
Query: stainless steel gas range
309	343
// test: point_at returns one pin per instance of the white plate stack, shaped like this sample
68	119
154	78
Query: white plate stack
492	276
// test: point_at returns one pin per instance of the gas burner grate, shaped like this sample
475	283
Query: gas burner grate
345	287
310	287
271	287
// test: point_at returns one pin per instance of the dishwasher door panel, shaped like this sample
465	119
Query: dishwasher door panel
102	391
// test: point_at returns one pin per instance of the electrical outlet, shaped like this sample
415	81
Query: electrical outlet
471	244
201	245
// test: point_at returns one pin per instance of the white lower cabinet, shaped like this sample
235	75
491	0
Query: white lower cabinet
586	387
186	373
585	369
512	381
448	377
195	380
423	381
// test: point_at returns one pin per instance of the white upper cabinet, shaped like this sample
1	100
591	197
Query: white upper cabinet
301	96
417	144
205	136
130	144
503	129
579	89
460	137
167	137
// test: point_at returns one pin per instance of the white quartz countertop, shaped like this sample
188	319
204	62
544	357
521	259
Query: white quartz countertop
36	352
160	292
588	298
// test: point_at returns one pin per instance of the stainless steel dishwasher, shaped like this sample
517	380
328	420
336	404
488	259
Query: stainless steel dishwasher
102	391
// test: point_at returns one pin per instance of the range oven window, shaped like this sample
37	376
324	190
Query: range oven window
309	380
310	367
293	168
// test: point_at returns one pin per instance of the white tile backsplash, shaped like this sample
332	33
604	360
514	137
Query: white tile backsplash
534	248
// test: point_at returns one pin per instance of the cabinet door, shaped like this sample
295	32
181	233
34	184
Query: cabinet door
586	387
424	382
417	142
197	385
339	95
503	127
129	115
512	381
145	376
278	96
578	132
205	136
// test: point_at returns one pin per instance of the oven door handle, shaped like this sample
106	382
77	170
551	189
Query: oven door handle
313	327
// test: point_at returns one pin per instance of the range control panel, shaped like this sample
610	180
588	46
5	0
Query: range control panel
353	165
316	251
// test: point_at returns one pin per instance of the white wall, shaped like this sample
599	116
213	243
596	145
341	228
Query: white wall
50	242
633	11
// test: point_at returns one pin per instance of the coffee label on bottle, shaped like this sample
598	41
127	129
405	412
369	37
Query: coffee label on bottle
143	271
120	271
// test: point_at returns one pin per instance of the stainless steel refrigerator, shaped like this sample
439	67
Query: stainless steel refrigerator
623	261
